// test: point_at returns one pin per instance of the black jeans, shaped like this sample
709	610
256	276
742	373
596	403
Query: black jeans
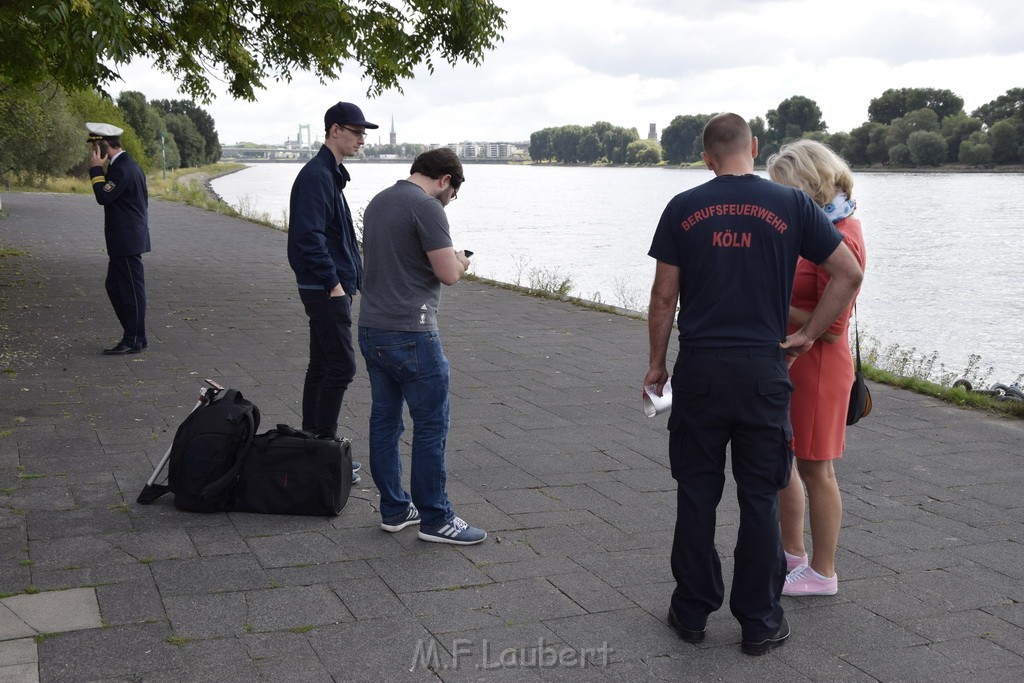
332	360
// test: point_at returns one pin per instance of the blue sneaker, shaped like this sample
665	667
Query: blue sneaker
456	532
356	466
401	520
355	478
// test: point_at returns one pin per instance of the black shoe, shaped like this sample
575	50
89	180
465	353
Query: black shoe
763	647
122	349
688	634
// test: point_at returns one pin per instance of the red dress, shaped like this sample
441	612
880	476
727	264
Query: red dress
822	377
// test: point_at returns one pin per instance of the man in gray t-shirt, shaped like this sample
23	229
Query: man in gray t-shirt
408	254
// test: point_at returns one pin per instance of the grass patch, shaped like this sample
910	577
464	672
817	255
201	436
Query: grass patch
179	641
301	629
11	253
22	475
957	396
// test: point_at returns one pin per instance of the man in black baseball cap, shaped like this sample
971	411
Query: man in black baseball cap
323	252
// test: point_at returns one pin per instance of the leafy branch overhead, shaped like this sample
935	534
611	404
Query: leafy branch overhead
244	43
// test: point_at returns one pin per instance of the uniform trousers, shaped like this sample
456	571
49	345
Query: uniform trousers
126	289
737	397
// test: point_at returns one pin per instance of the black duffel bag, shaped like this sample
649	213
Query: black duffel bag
288	472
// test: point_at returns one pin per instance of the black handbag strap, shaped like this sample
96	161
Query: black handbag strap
856	335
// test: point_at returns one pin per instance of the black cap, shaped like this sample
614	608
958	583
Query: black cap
346	112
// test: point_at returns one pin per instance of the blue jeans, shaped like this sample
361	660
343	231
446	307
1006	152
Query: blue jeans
408	368
332	360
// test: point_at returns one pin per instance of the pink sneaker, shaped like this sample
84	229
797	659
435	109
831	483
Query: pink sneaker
805	581
794	561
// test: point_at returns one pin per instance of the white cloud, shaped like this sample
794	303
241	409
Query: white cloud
636	62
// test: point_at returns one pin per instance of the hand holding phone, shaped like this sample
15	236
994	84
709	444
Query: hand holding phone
467	252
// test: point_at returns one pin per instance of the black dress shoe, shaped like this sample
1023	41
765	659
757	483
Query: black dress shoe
122	349
763	647
688	634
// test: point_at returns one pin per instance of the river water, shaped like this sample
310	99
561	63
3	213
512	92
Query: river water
945	274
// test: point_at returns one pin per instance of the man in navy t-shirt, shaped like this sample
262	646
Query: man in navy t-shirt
726	253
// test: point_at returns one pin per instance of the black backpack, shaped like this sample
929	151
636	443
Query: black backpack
209	450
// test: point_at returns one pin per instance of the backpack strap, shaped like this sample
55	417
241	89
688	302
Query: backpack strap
219	485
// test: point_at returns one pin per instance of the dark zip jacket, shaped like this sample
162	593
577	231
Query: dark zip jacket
322	248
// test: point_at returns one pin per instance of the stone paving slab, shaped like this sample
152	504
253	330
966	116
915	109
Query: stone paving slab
549	451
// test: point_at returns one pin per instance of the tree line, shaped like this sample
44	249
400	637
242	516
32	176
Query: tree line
42	130
906	127
600	142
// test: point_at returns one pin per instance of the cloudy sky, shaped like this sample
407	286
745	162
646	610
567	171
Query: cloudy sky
637	62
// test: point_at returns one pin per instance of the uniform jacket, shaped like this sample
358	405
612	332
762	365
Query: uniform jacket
322	247
125	199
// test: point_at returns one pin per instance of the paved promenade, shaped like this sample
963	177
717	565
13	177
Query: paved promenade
549	451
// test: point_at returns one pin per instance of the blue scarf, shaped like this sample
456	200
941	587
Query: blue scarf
839	208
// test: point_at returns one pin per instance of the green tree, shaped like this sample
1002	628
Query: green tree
246	41
643	153
975	150
89	105
39	134
616	143
899	155
541	145
566	143
1008	106
681	140
590	149
927	148
1005	138
857	146
191	145
897	103
918	120
203	122
791	119
877	150
144	119
956	129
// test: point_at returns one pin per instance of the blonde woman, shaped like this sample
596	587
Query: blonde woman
821	378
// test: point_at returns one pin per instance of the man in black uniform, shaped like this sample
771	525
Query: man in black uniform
726	252
121	190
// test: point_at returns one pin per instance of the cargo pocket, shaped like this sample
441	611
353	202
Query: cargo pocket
689	393
778	391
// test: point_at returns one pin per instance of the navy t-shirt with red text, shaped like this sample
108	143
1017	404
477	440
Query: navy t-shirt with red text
736	240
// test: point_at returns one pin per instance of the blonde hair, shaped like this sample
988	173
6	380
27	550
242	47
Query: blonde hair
812	167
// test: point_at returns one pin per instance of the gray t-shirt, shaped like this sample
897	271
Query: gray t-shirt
400	291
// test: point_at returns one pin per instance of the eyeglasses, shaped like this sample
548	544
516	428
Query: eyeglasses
455	194
361	134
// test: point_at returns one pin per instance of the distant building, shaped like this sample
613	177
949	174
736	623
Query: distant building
487	150
652	134
394	136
